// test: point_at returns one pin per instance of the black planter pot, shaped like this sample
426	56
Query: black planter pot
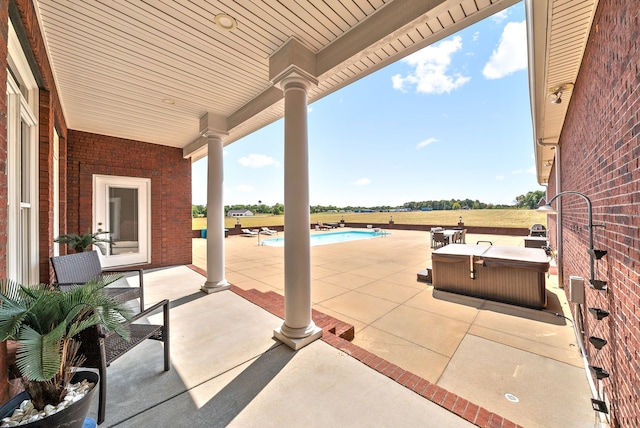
71	417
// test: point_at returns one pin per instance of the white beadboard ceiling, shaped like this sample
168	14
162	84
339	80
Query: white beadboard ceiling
116	62
558	34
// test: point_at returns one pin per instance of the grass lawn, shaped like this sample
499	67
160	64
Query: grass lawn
503	218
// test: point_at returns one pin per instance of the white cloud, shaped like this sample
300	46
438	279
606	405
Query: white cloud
532	170
511	53
425	143
244	188
499	177
517	171
362	182
500	16
431	74
476	35
255	160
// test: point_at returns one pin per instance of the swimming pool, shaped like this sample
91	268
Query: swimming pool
330	238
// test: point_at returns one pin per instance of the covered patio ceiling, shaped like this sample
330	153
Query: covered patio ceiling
558	32
149	70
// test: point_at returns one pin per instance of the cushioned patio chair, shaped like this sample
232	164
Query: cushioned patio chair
101	348
250	232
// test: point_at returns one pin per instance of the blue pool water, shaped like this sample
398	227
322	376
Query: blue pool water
329	238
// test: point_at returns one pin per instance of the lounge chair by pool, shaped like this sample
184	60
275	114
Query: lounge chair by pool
250	232
268	231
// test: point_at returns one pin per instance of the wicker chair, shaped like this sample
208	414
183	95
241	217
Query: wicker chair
101	348
439	240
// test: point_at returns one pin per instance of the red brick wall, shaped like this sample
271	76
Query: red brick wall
4	28
602	130
170	175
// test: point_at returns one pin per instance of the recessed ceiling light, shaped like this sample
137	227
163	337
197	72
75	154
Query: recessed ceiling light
225	22
169	101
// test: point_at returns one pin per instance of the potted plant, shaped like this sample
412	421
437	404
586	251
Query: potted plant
81	243
45	323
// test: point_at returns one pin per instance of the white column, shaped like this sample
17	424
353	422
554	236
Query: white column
216	280
298	328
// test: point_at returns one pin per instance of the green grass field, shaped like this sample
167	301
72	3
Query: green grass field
497	218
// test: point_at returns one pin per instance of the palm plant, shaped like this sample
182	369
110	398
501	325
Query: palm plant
80	243
44	322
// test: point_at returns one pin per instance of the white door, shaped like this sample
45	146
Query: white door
122	207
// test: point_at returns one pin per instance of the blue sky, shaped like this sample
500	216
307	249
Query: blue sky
451	121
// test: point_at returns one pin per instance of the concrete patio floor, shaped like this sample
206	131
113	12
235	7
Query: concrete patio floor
228	371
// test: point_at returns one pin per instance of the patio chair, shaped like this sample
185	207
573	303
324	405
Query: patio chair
323	226
439	240
250	232
268	231
101	348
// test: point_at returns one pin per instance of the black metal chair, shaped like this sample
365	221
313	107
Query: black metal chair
101	348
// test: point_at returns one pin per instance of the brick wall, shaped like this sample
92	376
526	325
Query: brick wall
602	129
170	175
4	26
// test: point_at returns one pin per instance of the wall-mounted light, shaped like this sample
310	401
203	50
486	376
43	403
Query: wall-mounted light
599	406
555	93
599	372
598	313
548	163
597	342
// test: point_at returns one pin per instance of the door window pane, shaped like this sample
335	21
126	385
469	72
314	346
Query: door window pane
123	220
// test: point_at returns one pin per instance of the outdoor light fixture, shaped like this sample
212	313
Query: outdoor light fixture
556	93
597	254
599	406
598	313
597	284
460	219
599	372
225	22
550	210
597	342
237	220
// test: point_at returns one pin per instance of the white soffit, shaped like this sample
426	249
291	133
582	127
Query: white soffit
560	30
148	70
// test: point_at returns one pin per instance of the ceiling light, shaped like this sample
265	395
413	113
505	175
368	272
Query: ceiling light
225	22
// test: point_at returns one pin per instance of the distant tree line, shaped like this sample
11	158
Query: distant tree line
528	201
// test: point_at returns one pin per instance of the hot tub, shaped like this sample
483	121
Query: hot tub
505	274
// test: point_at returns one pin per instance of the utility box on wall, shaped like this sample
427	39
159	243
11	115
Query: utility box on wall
576	289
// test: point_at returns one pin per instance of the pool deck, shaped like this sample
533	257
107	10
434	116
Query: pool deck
477	349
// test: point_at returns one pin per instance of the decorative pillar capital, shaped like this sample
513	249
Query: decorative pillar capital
213	125
295	78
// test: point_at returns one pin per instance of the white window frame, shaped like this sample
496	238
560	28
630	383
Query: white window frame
22	107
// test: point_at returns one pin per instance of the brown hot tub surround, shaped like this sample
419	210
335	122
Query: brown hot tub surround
506	274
